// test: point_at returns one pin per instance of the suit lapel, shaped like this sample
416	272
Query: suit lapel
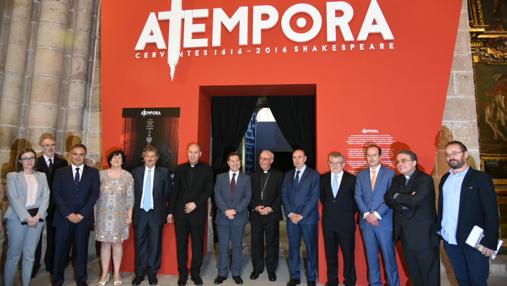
342	185
140	179
303	176
327	184
156	178
23	186
84	174
42	166
379	178
291	179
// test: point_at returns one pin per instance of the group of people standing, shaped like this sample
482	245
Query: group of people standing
73	200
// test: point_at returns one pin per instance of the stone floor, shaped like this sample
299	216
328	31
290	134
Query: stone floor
498	269
498	275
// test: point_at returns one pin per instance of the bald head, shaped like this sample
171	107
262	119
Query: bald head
193	153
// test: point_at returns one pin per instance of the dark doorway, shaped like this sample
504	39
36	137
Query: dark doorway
234	116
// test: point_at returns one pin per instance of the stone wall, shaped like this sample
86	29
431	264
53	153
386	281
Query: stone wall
49	76
460	115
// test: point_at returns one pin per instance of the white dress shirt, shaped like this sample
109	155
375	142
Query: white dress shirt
81	167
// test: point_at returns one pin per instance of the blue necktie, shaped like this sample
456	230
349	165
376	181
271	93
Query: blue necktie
334	185
76	177
296	179
148	195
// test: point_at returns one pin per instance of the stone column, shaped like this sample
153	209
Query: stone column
92	120
18	21
460	116
74	83
48	68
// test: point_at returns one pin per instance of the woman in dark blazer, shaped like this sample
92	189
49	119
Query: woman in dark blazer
28	194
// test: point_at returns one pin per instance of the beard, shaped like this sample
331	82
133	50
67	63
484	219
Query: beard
455	164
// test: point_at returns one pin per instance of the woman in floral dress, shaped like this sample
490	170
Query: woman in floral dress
113	214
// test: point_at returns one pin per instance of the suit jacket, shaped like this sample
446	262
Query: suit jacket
41	166
17	195
272	195
161	193
371	201
225	199
338	213
302	198
477	206
191	185
77	198
414	209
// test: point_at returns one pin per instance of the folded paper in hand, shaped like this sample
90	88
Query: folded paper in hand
474	239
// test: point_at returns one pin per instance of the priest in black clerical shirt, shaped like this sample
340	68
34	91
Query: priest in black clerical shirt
193	184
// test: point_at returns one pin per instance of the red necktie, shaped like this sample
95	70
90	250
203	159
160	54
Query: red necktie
233	183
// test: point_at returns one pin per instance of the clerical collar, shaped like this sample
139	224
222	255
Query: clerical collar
409	175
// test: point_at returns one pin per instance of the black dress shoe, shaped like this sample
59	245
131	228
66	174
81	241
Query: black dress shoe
182	280
272	276
254	275
137	280
310	283
220	279
237	280
153	280
196	279
294	282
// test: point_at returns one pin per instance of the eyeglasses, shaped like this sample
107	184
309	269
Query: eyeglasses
403	161
27	158
447	155
336	163
266	159
48	145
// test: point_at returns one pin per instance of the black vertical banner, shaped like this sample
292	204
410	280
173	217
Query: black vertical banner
157	127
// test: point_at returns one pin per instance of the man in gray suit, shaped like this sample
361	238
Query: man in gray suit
232	196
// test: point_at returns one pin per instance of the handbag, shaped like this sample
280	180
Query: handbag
33	212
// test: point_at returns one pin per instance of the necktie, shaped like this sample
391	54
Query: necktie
50	167
334	185
76	176
296	178
233	183
148	195
373	179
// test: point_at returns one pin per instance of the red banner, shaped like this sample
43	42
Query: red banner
379	68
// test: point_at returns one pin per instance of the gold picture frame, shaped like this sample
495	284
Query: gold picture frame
488	31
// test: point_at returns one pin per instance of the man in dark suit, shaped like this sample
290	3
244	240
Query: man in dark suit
193	184
48	163
467	199
232	195
152	186
300	196
338	219
266	214
377	218
412	197
75	191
